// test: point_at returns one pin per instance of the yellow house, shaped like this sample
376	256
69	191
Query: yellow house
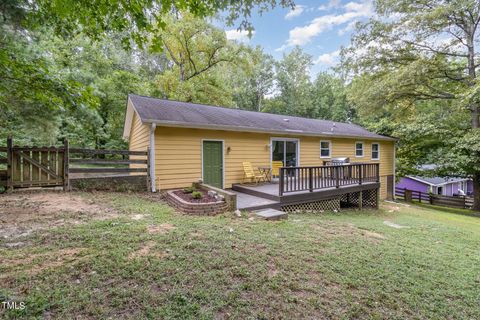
191	142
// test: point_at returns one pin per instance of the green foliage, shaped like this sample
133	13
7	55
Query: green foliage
135	20
189	189
197	50
254	81
197	195
324	98
32	96
66	67
414	69
293	82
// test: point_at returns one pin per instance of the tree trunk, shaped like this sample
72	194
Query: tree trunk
476	192
475	109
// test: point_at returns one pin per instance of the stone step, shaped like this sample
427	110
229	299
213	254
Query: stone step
271	214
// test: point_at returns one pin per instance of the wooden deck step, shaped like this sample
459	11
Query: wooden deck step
271	214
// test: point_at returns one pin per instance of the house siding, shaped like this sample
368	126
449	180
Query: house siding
449	189
178	155
139	141
411	184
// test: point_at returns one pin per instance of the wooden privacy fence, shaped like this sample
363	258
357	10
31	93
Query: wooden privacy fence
410	195
22	167
435	199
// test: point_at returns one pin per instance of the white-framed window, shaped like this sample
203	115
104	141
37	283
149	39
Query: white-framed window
325	149
359	149
375	151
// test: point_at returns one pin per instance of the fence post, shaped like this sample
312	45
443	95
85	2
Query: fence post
408	195
310	179
420	197
66	182
9	163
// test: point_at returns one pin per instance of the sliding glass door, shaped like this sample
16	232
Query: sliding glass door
285	150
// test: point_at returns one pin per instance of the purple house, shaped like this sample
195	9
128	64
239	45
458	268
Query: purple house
437	185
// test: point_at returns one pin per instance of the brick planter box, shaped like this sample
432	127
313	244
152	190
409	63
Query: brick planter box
199	209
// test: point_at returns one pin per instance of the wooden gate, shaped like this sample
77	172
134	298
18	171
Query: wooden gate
36	166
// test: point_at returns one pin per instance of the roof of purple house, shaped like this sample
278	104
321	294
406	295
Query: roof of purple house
436	181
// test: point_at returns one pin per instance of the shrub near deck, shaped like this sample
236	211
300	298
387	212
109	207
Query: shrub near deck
149	262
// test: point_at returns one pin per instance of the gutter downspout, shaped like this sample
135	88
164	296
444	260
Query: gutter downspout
152	157
394	170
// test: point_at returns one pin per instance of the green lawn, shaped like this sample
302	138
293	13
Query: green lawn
165	265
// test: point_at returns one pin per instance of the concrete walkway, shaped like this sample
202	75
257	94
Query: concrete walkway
246	201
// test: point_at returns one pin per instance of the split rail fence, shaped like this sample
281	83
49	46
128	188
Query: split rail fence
23	167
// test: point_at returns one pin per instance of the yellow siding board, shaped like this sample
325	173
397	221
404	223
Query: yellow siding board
139	140
178	154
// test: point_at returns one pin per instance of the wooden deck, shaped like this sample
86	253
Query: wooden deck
300	185
270	192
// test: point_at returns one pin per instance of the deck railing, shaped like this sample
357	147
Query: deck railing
294	179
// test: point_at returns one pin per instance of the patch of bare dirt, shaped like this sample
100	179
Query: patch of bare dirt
391	208
347	231
146	250
161	228
22	213
36	263
373	235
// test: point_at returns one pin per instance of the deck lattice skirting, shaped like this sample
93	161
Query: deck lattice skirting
315	206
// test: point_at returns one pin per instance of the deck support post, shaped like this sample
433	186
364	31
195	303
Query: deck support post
360	199
377	203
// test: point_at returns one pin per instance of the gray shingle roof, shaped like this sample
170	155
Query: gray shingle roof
437	180
176	113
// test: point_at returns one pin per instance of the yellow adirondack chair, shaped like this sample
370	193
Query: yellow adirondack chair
276	165
250	174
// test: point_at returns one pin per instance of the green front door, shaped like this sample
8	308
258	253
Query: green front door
213	163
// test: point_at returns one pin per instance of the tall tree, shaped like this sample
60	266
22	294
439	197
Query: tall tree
254	81
329	99
416	51
293	83
196	51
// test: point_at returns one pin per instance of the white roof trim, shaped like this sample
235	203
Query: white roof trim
127	126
